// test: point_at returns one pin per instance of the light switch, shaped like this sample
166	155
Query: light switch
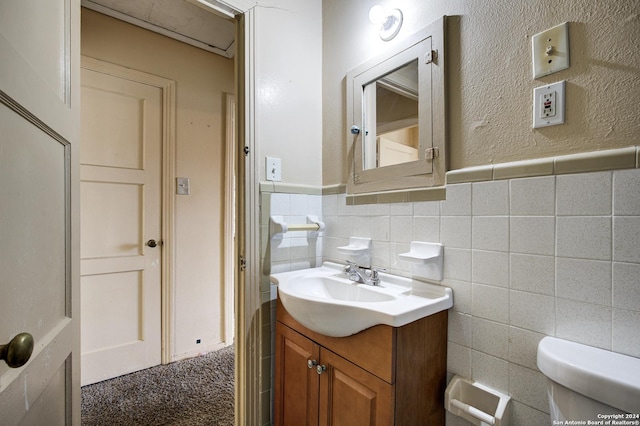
550	50
273	169
548	105
182	186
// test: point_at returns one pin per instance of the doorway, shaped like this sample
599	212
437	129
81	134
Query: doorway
196	285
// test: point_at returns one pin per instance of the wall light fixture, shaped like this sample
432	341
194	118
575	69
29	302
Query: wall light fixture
389	21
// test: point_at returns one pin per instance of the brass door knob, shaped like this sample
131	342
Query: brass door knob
17	352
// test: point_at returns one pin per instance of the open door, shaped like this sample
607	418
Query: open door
39	65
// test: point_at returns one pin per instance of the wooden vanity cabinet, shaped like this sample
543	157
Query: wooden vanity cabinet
380	376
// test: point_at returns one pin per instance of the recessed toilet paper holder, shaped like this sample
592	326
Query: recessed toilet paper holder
476	403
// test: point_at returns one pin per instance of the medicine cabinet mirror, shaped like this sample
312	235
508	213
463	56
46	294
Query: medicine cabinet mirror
396	116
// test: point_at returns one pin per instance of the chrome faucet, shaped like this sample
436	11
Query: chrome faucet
362	275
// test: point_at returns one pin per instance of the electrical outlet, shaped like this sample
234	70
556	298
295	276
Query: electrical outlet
548	105
273	169
550	50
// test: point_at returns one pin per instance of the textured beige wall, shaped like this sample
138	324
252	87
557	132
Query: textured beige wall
288	88
490	77
202	79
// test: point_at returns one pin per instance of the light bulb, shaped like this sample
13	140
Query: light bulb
377	15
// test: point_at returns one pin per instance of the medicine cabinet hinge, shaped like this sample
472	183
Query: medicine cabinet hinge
243	263
431	56
431	153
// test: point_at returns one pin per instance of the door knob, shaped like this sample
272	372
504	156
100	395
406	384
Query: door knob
17	352
153	243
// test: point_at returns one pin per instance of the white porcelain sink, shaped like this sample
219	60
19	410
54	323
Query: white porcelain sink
325	301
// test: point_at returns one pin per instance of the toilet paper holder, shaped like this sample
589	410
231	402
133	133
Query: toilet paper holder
476	403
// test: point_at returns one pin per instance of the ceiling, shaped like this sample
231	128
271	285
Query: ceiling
196	22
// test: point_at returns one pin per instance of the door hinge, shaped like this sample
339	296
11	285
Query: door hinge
431	56
431	153
243	263
246	151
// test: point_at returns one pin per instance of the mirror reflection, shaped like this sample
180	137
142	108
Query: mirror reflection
391	118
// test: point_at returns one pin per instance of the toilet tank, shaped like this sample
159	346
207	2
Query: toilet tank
590	379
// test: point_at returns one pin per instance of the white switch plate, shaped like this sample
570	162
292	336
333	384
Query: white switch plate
182	186
548	105
273	169
550	50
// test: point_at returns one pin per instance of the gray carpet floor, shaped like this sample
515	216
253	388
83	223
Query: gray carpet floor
193	392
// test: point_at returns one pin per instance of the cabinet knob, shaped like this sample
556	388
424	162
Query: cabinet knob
312	363
321	369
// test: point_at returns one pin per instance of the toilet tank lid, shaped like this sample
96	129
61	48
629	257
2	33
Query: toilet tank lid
605	376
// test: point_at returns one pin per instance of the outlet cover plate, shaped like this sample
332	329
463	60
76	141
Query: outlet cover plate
553	95
550	50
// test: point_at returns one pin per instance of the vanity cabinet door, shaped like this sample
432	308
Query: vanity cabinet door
297	381
351	396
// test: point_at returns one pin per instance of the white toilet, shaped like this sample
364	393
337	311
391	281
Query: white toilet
586	383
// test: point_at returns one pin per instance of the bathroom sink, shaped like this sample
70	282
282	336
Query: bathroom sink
325	301
335	288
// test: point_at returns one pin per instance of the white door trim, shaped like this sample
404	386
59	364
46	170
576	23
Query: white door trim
168	88
249	389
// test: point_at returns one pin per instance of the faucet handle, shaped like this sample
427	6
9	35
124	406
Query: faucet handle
375	278
350	266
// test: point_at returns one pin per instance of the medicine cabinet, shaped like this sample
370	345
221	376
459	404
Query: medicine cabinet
396	116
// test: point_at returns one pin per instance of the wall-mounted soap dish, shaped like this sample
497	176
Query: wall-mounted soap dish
358	251
427	259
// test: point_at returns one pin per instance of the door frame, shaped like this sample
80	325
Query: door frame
168	88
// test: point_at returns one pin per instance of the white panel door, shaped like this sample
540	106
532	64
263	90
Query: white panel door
39	57
120	191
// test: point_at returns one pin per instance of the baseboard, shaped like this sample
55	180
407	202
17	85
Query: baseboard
201	351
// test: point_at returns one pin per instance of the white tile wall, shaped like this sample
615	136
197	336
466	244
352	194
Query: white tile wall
586	237
626	196
455	231
533	235
573	276
490	233
533	196
584	194
532	273
296	250
555	255
490	198
491	371
626	236
626	285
